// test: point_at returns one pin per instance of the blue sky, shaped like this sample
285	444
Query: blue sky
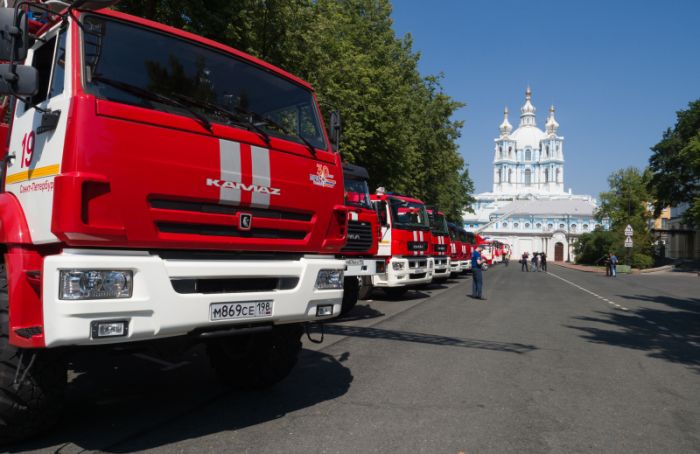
615	71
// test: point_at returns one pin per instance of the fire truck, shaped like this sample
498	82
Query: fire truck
456	256
404	243
363	236
441	244
156	184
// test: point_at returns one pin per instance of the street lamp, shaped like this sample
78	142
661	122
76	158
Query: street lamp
568	238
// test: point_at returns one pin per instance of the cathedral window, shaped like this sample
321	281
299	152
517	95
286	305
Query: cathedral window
515	225
550	226
547	151
539	226
573	227
505	224
561	226
585	226
528	177
546	173
528	155
510	175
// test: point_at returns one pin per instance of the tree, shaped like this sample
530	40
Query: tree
627	203
675	165
591	248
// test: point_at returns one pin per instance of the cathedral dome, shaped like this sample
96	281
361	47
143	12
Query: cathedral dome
528	136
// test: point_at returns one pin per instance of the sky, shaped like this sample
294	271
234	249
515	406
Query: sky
616	72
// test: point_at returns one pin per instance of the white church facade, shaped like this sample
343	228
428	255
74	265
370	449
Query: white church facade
528	208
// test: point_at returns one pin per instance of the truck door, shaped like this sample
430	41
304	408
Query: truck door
38	134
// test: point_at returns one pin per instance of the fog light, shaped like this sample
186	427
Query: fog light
95	284
398	266
329	279
109	328
381	266
324	310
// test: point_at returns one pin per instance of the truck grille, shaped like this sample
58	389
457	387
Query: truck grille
214	219
223	230
359	237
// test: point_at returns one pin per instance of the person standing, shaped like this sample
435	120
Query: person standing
538	262
523	262
613	265
533	267
477	273
544	262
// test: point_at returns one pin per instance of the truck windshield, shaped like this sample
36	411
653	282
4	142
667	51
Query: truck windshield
123	61
357	193
438	224
408	215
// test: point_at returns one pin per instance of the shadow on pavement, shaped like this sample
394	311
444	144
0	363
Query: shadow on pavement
431	339
360	312
672	335
410	295
135	405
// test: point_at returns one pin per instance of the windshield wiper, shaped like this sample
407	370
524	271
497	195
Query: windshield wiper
233	117
271	122
152	96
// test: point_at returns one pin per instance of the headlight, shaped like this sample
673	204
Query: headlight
95	284
329	279
398	266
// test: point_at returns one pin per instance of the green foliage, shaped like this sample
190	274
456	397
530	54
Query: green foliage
675	165
590	248
396	123
627	203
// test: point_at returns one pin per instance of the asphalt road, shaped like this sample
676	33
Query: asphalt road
561	362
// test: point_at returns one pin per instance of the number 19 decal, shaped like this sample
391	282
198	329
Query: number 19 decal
27	149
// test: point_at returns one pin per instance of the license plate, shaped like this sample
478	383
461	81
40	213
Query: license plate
354	262
418	271
242	310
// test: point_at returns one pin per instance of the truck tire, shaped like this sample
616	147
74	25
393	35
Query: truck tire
31	400
351	292
365	288
256	361
395	292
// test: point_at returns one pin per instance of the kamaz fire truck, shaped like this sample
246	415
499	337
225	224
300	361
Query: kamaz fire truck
363	236
455	250
156	184
404	243
441	244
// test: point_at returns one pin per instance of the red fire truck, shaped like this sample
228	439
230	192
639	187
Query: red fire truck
456	255
156	184
441	244
363	236
404	243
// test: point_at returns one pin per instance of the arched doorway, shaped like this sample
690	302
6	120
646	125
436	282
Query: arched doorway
559	252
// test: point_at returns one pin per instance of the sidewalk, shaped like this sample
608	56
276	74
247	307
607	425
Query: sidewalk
601	269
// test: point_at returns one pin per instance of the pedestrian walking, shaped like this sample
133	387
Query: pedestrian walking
523	262
544	262
477	273
613	265
533	267
606	262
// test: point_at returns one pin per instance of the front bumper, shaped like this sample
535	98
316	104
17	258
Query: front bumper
363	267
156	310
465	265
414	271
455	266
442	267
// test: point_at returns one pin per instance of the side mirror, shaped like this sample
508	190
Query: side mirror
13	35
336	127
20	80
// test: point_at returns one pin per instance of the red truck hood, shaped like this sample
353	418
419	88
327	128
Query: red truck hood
410	242
441	245
140	178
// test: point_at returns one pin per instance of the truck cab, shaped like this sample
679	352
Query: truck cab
404	242
441	243
362	244
157	184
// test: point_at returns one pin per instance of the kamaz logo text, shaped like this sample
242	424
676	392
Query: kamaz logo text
353	236
224	184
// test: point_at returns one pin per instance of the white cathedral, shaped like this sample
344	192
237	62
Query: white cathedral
528	207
